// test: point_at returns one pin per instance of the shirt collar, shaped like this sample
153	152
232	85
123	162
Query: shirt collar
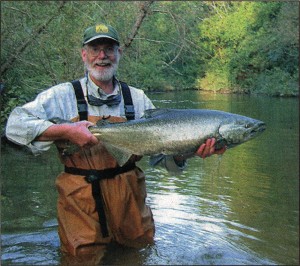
96	91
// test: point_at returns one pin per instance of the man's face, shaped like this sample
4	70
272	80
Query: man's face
101	58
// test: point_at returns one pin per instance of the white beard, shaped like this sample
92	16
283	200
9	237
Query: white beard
105	74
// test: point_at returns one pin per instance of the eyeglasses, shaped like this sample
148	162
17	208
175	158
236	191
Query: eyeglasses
95	50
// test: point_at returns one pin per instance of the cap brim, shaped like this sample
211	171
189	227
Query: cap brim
100	37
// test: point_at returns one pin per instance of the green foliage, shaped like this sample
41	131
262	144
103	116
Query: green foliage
276	82
219	46
161	57
216	80
254	48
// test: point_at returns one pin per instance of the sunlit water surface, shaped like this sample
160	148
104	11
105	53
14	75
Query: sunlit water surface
241	208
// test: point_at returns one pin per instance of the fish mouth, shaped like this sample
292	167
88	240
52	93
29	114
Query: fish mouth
259	128
254	131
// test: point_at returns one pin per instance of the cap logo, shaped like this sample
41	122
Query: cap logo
101	28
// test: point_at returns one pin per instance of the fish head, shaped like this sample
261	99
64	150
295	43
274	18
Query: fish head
240	129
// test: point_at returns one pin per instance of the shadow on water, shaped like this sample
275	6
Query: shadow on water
238	209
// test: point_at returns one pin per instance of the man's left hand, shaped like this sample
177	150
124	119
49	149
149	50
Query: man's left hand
208	148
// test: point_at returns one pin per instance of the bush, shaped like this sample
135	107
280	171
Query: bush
276	82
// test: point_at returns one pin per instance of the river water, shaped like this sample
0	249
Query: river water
240	209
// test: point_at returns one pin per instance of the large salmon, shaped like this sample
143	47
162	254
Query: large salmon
175	131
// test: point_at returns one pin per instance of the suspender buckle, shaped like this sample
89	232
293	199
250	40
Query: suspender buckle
82	107
129	109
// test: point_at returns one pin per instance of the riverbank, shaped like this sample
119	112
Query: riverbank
225	91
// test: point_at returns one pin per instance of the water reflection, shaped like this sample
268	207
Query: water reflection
241	208
31	248
187	213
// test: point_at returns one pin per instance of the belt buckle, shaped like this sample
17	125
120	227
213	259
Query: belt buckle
91	177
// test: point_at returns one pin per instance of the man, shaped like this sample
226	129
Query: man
98	201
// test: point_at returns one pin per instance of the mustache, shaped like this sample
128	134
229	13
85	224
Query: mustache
103	62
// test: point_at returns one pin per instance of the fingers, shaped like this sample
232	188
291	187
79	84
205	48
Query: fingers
90	141
81	135
220	151
208	148
85	123
200	150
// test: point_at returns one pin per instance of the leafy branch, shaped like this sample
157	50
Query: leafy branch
39	30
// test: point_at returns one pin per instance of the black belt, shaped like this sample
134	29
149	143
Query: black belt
94	176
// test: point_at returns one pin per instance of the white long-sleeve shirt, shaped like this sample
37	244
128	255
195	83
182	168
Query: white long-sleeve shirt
27	122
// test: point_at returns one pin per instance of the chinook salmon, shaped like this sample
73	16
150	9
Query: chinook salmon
174	132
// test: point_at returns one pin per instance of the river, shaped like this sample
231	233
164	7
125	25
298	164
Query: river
239	208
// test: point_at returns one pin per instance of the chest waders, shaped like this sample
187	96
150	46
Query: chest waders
93	176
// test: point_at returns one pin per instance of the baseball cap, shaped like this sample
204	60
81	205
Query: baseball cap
100	31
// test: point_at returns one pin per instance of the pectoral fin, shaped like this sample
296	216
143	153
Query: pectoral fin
156	159
120	155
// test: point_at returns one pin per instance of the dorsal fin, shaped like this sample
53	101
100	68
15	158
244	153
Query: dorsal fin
102	122
155	112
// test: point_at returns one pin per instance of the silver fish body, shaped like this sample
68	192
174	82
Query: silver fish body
175	131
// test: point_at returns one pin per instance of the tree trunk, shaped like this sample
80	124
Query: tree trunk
144	8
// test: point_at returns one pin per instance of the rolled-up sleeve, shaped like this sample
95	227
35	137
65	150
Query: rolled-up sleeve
26	123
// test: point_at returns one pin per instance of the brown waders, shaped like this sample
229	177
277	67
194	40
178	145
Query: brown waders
118	194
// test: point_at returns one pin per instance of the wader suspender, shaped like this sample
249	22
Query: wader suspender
128	105
94	176
82	105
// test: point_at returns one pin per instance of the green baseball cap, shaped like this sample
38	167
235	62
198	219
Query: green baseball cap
100	31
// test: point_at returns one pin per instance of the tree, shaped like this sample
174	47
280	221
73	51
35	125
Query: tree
249	53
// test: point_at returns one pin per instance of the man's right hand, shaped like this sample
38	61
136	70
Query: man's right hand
80	135
77	133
